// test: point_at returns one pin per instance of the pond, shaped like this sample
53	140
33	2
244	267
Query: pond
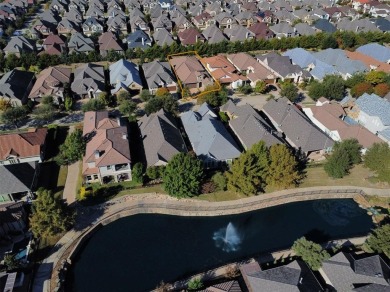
136	253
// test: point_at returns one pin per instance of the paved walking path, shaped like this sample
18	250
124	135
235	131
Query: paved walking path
71	179
90	217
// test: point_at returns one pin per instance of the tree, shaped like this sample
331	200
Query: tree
68	103
290	91
145	95
382	89
122	96
316	90
93	105
47	99
355	79
155	172
49	215
334	87
73	148
44	113
247	174
329	42
345	155
162	91
213	96
377	158
128	108
195	284
311	253
11	262
283	167
361	88
138	172
4	104
245	89
166	102
219	181
182	176
261	87
14	115
378	240
375	77
105	97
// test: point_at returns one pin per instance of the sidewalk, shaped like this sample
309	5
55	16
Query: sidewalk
71	180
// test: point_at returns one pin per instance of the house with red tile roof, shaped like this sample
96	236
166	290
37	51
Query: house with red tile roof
224	71
107	155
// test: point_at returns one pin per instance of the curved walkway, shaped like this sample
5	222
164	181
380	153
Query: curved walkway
90	218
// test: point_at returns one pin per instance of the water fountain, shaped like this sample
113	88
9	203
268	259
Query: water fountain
227	238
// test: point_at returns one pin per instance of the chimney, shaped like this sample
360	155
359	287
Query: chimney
196	38
97	154
143	41
118	120
300	280
124	136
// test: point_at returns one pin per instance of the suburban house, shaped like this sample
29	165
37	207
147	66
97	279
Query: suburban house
191	72
376	51
161	138
107	154
163	37
226	286
162	22
254	71
239	33
15	86
92	25
299	131
345	272
283	29
108	42
88	81
261	31
138	39
159	75
20	155
373	112
67	26
203	20
295	276
117	24
209	138
190	36
124	75
213	35
329	117
370	62
282	68
223	71
12	220
19	44
79	43
51	82
53	45
249	127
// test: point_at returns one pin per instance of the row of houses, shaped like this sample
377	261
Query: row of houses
345	271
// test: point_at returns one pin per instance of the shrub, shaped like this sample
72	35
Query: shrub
138	172
219	181
223	116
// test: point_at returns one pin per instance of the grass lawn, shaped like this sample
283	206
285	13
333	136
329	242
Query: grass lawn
220	196
359	176
44	247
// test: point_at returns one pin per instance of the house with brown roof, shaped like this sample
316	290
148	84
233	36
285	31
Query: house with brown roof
190	36
108	42
224	71
191	73
255	71
329	118
20	155
107	154
53	45
161	138
51	82
203	20
261	31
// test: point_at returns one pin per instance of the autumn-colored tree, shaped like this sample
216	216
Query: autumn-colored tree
382	89
361	88
4	104
162	91
375	77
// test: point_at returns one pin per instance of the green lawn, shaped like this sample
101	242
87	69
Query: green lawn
220	196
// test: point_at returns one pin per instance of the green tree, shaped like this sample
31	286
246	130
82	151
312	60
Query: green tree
49	215
14	115
128	108
155	172
377	158
105	97
145	95
375	77
68	103
290	91
247	174
213	96
44	113
73	148
261	87
329	42
316	90
335	87
47	99
194	284
138	172
283	167
311	253
355	79
183	175
378	240
166	102
219	181
94	104
11	263
245	89
345	155
122	96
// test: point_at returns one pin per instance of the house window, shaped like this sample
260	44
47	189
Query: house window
89	177
108	166
95	176
12	161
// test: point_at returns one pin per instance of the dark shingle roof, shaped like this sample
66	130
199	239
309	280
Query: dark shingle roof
16	178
